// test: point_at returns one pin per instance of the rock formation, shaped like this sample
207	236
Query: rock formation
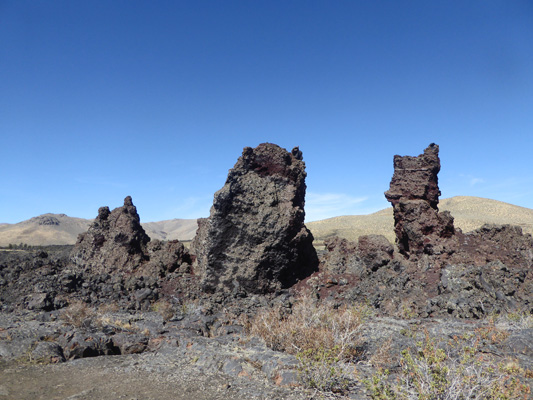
368	254
255	240
414	193
440	270
116	241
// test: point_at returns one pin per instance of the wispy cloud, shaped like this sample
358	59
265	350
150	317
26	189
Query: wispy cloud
472	180
193	207
326	205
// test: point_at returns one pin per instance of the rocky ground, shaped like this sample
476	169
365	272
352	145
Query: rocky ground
253	311
91	354
200	348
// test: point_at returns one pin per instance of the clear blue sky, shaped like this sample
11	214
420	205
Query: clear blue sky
156	99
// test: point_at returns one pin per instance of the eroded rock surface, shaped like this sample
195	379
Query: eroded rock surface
438	270
255	240
116	242
414	194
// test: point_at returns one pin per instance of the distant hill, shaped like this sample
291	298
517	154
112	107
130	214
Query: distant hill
49	229
470	213
172	229
44	230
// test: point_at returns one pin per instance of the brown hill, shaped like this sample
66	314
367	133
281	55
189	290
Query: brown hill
44	230
182	229
50	229
470	213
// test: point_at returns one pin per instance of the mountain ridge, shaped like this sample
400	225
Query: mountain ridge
469	212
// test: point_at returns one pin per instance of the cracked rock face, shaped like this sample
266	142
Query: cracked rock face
116	241
414	194
441	270
255	240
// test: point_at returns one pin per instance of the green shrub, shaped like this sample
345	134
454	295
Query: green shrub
321	370
457	371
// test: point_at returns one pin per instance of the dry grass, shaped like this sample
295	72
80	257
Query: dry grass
108	308
383	357
322	337
116	323
311	326
77	314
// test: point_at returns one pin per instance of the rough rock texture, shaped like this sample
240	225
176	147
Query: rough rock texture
369	252
46	280
414	194
439	270
116	241
114	262
255	240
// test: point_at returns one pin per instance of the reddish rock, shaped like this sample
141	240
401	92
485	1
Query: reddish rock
440	270
414	194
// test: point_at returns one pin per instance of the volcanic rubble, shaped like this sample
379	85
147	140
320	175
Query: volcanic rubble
116	291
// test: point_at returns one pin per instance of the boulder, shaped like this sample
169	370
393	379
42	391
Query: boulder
369	253
255	240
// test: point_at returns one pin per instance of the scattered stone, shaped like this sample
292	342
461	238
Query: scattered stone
130	343
81	344
40	301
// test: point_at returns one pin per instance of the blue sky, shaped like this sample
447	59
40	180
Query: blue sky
103	99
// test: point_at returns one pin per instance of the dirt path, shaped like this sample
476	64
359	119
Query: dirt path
128	378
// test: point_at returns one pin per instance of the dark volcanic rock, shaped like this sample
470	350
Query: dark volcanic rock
255	239
369	252
31	280
414	194
115	241
439	270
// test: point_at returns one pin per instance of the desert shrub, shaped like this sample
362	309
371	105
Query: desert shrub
311	325
321	370
77	314
513	320
165	309
457	371
320	335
